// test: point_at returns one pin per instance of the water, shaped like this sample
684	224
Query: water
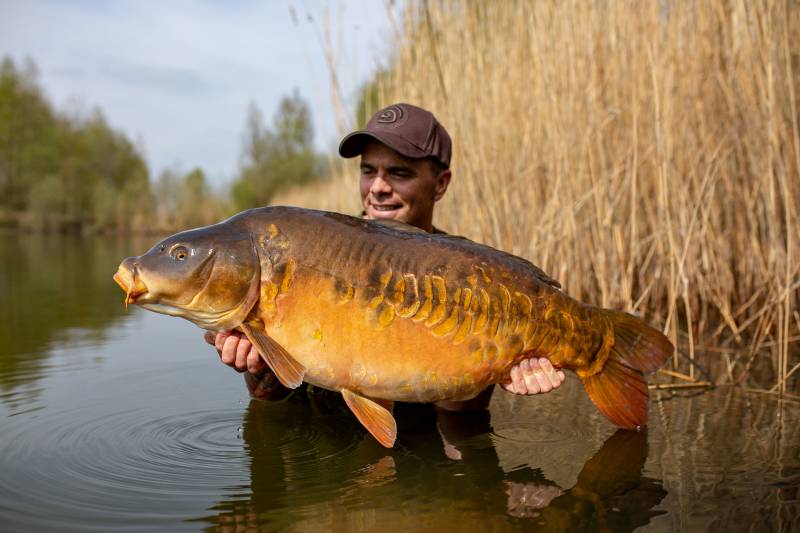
112	420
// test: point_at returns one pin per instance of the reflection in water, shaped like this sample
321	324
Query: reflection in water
54	289
611	493
128	421
313	466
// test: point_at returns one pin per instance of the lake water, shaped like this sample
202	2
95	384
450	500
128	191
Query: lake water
112	420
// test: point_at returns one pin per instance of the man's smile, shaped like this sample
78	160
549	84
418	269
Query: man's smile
385	207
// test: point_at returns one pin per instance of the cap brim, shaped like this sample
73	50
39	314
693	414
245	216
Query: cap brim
354	143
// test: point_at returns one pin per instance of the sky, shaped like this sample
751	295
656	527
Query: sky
177	76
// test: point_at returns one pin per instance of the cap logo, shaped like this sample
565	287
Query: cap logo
390	114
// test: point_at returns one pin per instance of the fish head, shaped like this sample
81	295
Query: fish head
208	275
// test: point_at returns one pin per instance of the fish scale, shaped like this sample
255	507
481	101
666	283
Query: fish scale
382	312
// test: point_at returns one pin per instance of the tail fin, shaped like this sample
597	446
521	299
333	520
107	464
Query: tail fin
619	390
638	345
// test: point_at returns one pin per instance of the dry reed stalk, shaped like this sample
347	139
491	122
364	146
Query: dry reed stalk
646	154
681	386
672	373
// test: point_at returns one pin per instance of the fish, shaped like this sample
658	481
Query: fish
381	311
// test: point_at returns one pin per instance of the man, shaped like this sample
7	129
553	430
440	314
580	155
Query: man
405	169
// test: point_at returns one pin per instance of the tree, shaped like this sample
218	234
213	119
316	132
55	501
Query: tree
65	171
278	157
185	200
194	200
28	145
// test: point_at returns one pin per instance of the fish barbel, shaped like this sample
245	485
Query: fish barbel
385	312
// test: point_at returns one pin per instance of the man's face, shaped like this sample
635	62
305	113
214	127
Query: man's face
400	188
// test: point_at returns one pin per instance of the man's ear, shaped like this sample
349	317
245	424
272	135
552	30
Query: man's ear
442	182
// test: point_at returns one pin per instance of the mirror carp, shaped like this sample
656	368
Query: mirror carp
385	312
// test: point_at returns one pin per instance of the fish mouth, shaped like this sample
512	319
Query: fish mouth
129	281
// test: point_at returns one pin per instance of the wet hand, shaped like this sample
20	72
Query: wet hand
236	351
534	376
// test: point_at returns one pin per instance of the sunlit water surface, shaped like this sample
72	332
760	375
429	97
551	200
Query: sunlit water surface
128	421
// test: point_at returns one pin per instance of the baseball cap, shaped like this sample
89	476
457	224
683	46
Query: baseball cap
409	130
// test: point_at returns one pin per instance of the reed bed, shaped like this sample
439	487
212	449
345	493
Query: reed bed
645	154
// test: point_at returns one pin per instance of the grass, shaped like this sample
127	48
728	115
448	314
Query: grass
645	154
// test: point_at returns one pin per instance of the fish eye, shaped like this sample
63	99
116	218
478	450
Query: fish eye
180	253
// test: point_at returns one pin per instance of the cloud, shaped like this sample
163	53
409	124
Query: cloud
179	75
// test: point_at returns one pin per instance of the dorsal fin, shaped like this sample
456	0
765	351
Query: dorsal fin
287	369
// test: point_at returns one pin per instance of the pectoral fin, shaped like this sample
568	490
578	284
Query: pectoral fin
375	415
287	369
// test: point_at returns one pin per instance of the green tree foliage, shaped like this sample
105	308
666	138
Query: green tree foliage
63	172
277	157
186	200
28	134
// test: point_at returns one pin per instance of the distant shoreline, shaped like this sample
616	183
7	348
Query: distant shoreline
31	224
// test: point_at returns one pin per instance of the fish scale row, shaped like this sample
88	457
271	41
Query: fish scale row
495	316
459	310
498	315
482	308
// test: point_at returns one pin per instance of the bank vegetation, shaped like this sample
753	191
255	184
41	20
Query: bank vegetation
72	171
646	154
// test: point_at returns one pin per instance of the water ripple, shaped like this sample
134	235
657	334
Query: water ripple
118	463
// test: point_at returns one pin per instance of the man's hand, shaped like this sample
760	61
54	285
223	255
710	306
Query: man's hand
236	351
531	376
534	376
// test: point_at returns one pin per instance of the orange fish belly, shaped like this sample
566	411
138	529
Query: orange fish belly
350	343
